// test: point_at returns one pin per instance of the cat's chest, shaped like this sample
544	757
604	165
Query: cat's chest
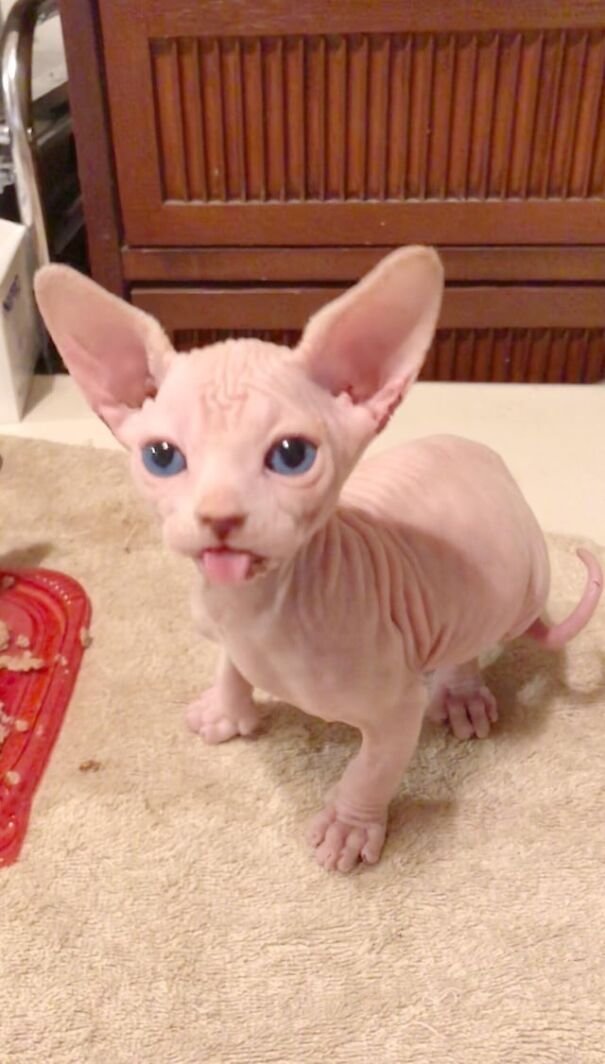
277	655
308	659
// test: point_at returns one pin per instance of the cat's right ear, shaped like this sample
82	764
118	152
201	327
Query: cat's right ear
116	353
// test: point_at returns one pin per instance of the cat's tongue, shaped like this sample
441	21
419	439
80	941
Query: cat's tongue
226	566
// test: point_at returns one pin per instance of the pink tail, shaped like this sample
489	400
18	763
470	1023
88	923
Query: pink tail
556	637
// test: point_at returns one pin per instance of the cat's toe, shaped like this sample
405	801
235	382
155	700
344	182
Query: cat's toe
340	846
216	723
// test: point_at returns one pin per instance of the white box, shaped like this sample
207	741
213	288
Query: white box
20	332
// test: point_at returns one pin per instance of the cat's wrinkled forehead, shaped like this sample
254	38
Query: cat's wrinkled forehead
234	373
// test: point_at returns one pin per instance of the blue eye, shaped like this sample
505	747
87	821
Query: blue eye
291	456
162	459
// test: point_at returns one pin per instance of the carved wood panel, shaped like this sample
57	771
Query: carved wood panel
381	116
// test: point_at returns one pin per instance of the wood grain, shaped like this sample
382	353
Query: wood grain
371	222
169	113
374	116
360	16
289	306
89	115
334	264
537	356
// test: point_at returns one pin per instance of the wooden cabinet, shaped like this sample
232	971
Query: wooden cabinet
243	160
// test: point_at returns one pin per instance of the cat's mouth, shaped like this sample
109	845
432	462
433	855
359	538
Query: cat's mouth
221	565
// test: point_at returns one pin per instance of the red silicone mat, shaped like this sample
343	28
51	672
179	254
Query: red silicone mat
52	612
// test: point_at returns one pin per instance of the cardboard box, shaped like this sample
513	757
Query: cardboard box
20	332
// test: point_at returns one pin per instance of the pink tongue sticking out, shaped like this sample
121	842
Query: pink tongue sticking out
226	566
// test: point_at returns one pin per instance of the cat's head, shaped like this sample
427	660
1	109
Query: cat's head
243	446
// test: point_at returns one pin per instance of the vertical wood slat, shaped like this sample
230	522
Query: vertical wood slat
294	68
357	99
315	116
423	53
576	356
165	65
193	131
273	69
483	354
538	362
465	351
378	99
501	355
525	106
440	120
505	107
398	117
565	123
214	124
336	117
233	109
253	103
587	130
555	372
481	134
446	353
552	70
597	175
520	355
594	366
461	116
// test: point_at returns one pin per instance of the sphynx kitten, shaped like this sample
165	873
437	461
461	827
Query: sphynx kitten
331	585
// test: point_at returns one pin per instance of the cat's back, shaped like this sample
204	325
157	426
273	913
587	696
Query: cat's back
450	516
424	480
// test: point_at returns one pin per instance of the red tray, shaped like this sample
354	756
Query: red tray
53	612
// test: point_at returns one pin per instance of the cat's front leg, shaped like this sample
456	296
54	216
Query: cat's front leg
226	709
352	826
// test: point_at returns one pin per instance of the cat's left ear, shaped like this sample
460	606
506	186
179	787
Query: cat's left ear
371	342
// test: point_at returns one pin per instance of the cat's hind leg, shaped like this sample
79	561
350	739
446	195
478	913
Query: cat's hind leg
460	698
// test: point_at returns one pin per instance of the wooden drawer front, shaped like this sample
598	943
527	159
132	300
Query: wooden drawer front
380	117
558	333
537	356
389	134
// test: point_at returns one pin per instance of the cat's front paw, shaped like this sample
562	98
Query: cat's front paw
341	846
216	722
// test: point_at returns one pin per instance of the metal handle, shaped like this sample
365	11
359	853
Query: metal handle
16	48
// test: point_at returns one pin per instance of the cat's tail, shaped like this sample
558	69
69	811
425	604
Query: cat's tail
556	636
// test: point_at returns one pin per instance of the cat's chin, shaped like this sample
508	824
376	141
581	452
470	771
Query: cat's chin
223	566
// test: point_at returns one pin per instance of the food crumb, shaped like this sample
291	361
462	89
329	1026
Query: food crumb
21	725
22	641
5	634
61	659
85	637
90	766
7	581
24	663
12	778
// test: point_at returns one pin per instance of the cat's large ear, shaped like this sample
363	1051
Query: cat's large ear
116	353
371	342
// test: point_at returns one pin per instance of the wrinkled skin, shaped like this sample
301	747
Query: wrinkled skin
336	589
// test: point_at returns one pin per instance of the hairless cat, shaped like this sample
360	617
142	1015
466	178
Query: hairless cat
333	585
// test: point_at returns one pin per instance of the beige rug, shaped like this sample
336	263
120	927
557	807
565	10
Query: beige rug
154	918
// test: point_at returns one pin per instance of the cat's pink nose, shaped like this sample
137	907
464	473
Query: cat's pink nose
223	526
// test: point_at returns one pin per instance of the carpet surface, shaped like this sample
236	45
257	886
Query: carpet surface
158	915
